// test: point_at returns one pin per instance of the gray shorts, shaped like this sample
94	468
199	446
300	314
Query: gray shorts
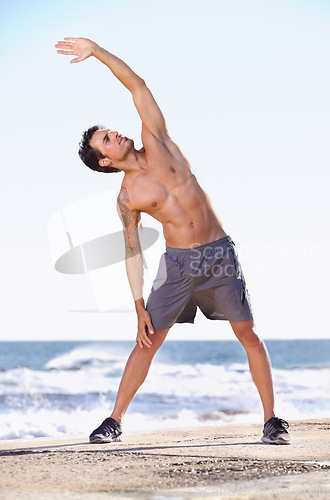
208	276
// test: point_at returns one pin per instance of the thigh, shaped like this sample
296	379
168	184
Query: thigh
170	293
221	293
241	327
158	337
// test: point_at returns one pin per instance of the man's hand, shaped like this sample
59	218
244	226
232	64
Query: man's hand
80	47
144	329
144	101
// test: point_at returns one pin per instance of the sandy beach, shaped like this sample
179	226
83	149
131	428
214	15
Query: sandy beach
209	462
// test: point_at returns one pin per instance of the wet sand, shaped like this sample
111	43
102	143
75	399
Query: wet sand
210	462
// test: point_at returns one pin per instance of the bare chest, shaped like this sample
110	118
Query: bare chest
167	185
161	196
169	170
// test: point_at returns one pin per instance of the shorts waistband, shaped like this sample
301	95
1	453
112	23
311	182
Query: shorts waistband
219	242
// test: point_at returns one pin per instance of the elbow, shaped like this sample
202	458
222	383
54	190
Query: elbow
140	82
139	87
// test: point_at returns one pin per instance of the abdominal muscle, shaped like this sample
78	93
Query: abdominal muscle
187	217
187	237
184	234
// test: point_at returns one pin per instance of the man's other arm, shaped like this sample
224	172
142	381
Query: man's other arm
134	266
144	101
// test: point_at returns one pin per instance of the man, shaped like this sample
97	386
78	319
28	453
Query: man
200	267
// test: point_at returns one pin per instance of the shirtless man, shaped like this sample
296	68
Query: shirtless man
200	267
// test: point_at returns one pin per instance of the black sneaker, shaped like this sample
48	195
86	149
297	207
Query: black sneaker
108	431
275	431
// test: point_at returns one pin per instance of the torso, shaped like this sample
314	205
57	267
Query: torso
168	191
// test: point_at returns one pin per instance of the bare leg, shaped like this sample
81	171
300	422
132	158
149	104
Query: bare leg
135	373
259	363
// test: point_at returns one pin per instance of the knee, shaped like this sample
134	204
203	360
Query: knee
145	352
250	339
157	340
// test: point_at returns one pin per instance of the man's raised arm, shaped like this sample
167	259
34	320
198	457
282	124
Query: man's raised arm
134	265
144	101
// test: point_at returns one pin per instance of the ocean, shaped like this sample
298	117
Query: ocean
68	388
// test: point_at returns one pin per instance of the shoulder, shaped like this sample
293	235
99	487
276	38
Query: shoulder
154	144
123	196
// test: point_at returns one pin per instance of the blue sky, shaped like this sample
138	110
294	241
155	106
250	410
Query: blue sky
250	76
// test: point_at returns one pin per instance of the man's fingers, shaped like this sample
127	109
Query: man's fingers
65	52
70	39
140	342
65	45
77	59
148	323
144	328
147	342
143	339
137	340
150	329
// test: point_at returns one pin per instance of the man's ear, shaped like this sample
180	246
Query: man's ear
105	162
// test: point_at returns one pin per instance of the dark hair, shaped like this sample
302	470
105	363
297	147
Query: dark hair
91	156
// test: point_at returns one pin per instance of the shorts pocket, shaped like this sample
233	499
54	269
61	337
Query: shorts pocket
173	265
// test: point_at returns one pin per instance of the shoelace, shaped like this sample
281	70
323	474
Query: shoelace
110	426
284	423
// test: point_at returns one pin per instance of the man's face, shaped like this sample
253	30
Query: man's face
111	144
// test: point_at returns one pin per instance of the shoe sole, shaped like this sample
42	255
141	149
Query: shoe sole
99	440
269	441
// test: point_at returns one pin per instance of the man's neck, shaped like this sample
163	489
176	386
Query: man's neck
135	163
